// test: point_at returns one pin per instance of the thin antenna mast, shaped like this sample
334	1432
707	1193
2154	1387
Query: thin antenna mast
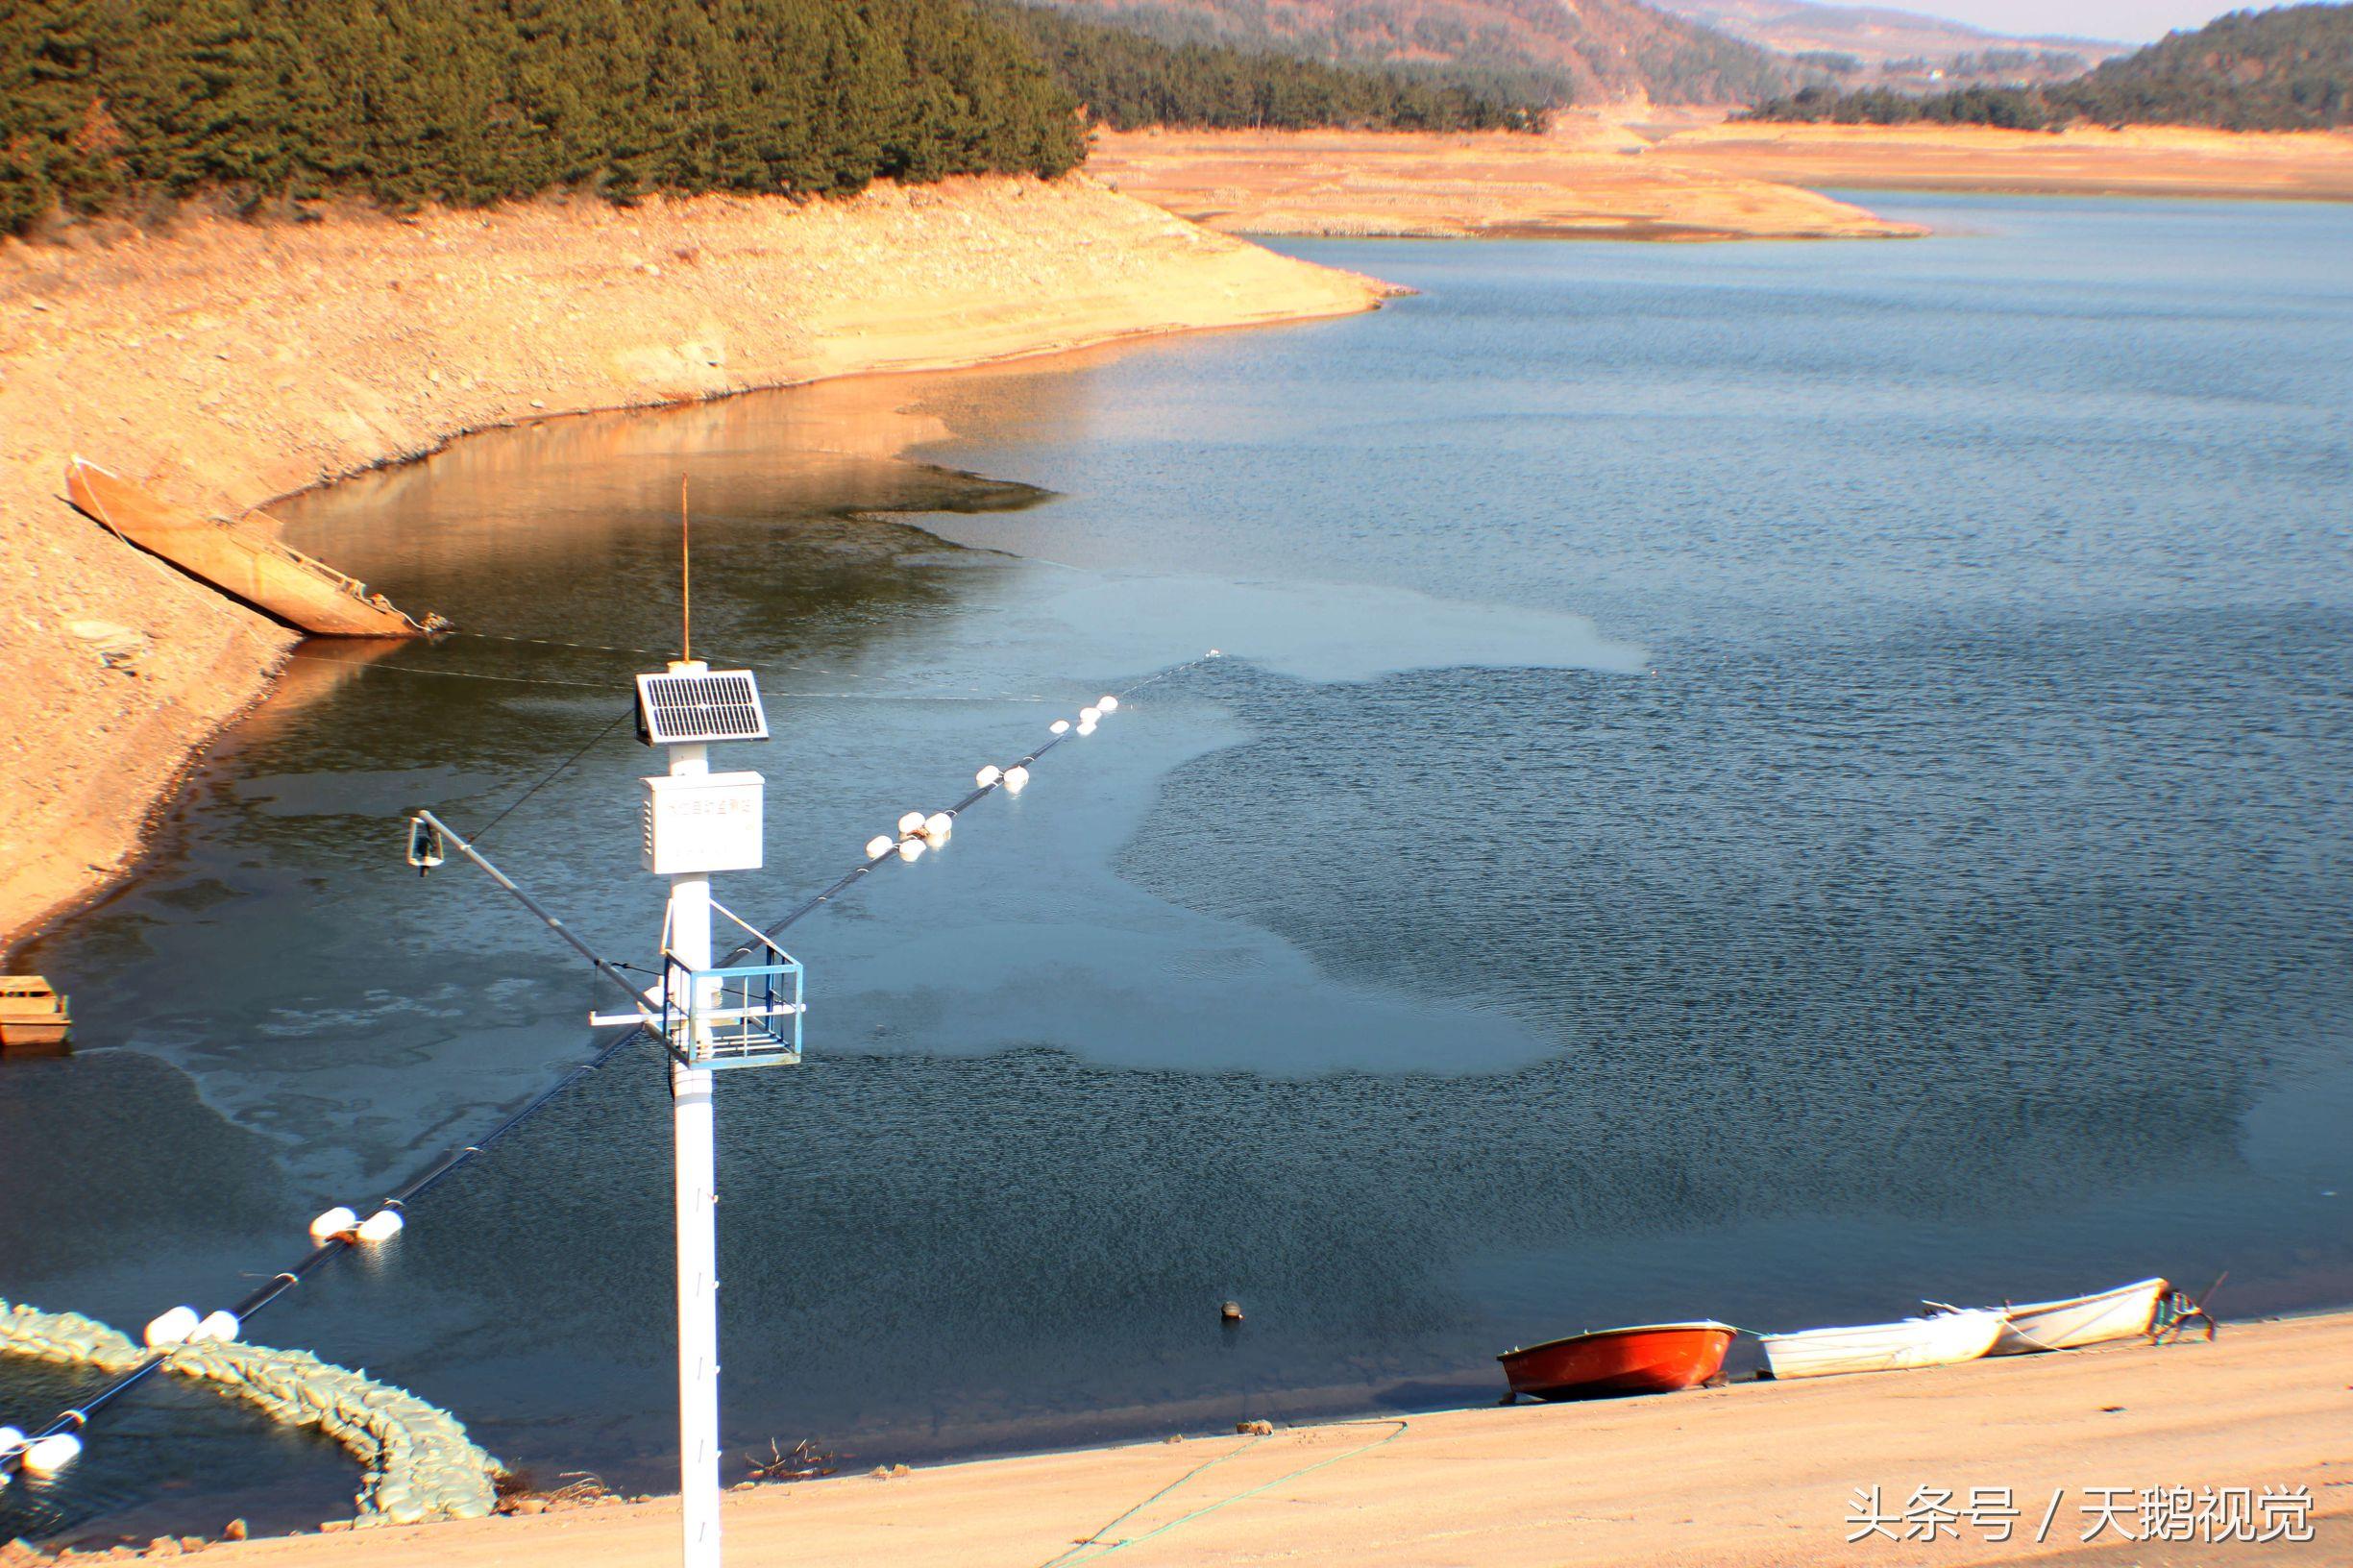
686	581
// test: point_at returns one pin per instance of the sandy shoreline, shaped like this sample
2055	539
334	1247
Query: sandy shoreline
1680	178
2146	160
225	363
1755	1475
1589	179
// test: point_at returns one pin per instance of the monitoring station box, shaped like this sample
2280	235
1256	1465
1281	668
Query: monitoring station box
697	822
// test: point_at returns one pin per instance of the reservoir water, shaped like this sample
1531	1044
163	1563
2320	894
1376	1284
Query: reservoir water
1754	782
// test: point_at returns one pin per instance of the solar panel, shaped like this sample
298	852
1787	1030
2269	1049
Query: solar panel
720	705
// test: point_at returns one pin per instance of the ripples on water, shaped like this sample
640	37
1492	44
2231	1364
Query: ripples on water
1755	781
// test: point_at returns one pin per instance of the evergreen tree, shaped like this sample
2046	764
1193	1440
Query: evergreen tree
474	100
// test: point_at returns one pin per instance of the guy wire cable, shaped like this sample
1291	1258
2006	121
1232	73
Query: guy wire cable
915	829
971	695
335	1231
830	672
389	1214
71	1421
180	1325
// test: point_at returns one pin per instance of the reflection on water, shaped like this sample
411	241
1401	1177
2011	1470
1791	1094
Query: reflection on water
568	529
1741	788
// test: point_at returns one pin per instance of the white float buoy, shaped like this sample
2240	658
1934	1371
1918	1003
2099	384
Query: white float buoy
1060	726
11	1440
382	1225
938	827
171	1328
333	1223
217	1328
988	775
1017	779
911	848
910	821
879	846
1088	716
51	1454
1086	728
1108	702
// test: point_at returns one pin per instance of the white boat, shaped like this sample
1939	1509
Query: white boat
1937	1340
2124	1313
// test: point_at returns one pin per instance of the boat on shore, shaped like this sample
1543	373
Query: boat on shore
1939	1339
35	1021
2124	1313
243	559
1647	1359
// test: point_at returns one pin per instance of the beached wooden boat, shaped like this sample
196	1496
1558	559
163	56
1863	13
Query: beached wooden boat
1937	1340
1648	1359
244	560
33	1018
2124	1313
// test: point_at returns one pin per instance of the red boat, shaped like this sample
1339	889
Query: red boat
1649	1359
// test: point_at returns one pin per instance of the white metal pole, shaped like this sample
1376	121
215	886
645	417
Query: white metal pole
695	1148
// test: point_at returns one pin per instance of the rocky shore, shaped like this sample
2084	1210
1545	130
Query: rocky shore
222	362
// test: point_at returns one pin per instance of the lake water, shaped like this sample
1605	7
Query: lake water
1755	781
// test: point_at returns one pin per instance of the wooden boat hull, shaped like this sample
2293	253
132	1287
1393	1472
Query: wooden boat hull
244	560
35	1021
32	1039
1883	1347
1651	1359
2124	1313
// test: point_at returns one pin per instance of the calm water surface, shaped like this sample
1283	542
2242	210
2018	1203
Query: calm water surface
1755	781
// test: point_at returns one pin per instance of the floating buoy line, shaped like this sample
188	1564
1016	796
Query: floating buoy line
44	1451
416	1460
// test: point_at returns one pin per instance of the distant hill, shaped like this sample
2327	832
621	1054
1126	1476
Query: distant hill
1566	51
1128	80
1877	46
2289	69
2268	70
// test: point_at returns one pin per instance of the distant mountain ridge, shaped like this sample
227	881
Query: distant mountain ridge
1128	80
2286	69
2276	70
1875	35
1570	51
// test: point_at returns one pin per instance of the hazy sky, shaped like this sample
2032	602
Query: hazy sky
2135	21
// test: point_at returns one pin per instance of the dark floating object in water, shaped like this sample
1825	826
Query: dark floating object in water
1231	1311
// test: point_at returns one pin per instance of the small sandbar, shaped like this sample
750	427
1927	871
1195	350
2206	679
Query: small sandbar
1589	179
2134	160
